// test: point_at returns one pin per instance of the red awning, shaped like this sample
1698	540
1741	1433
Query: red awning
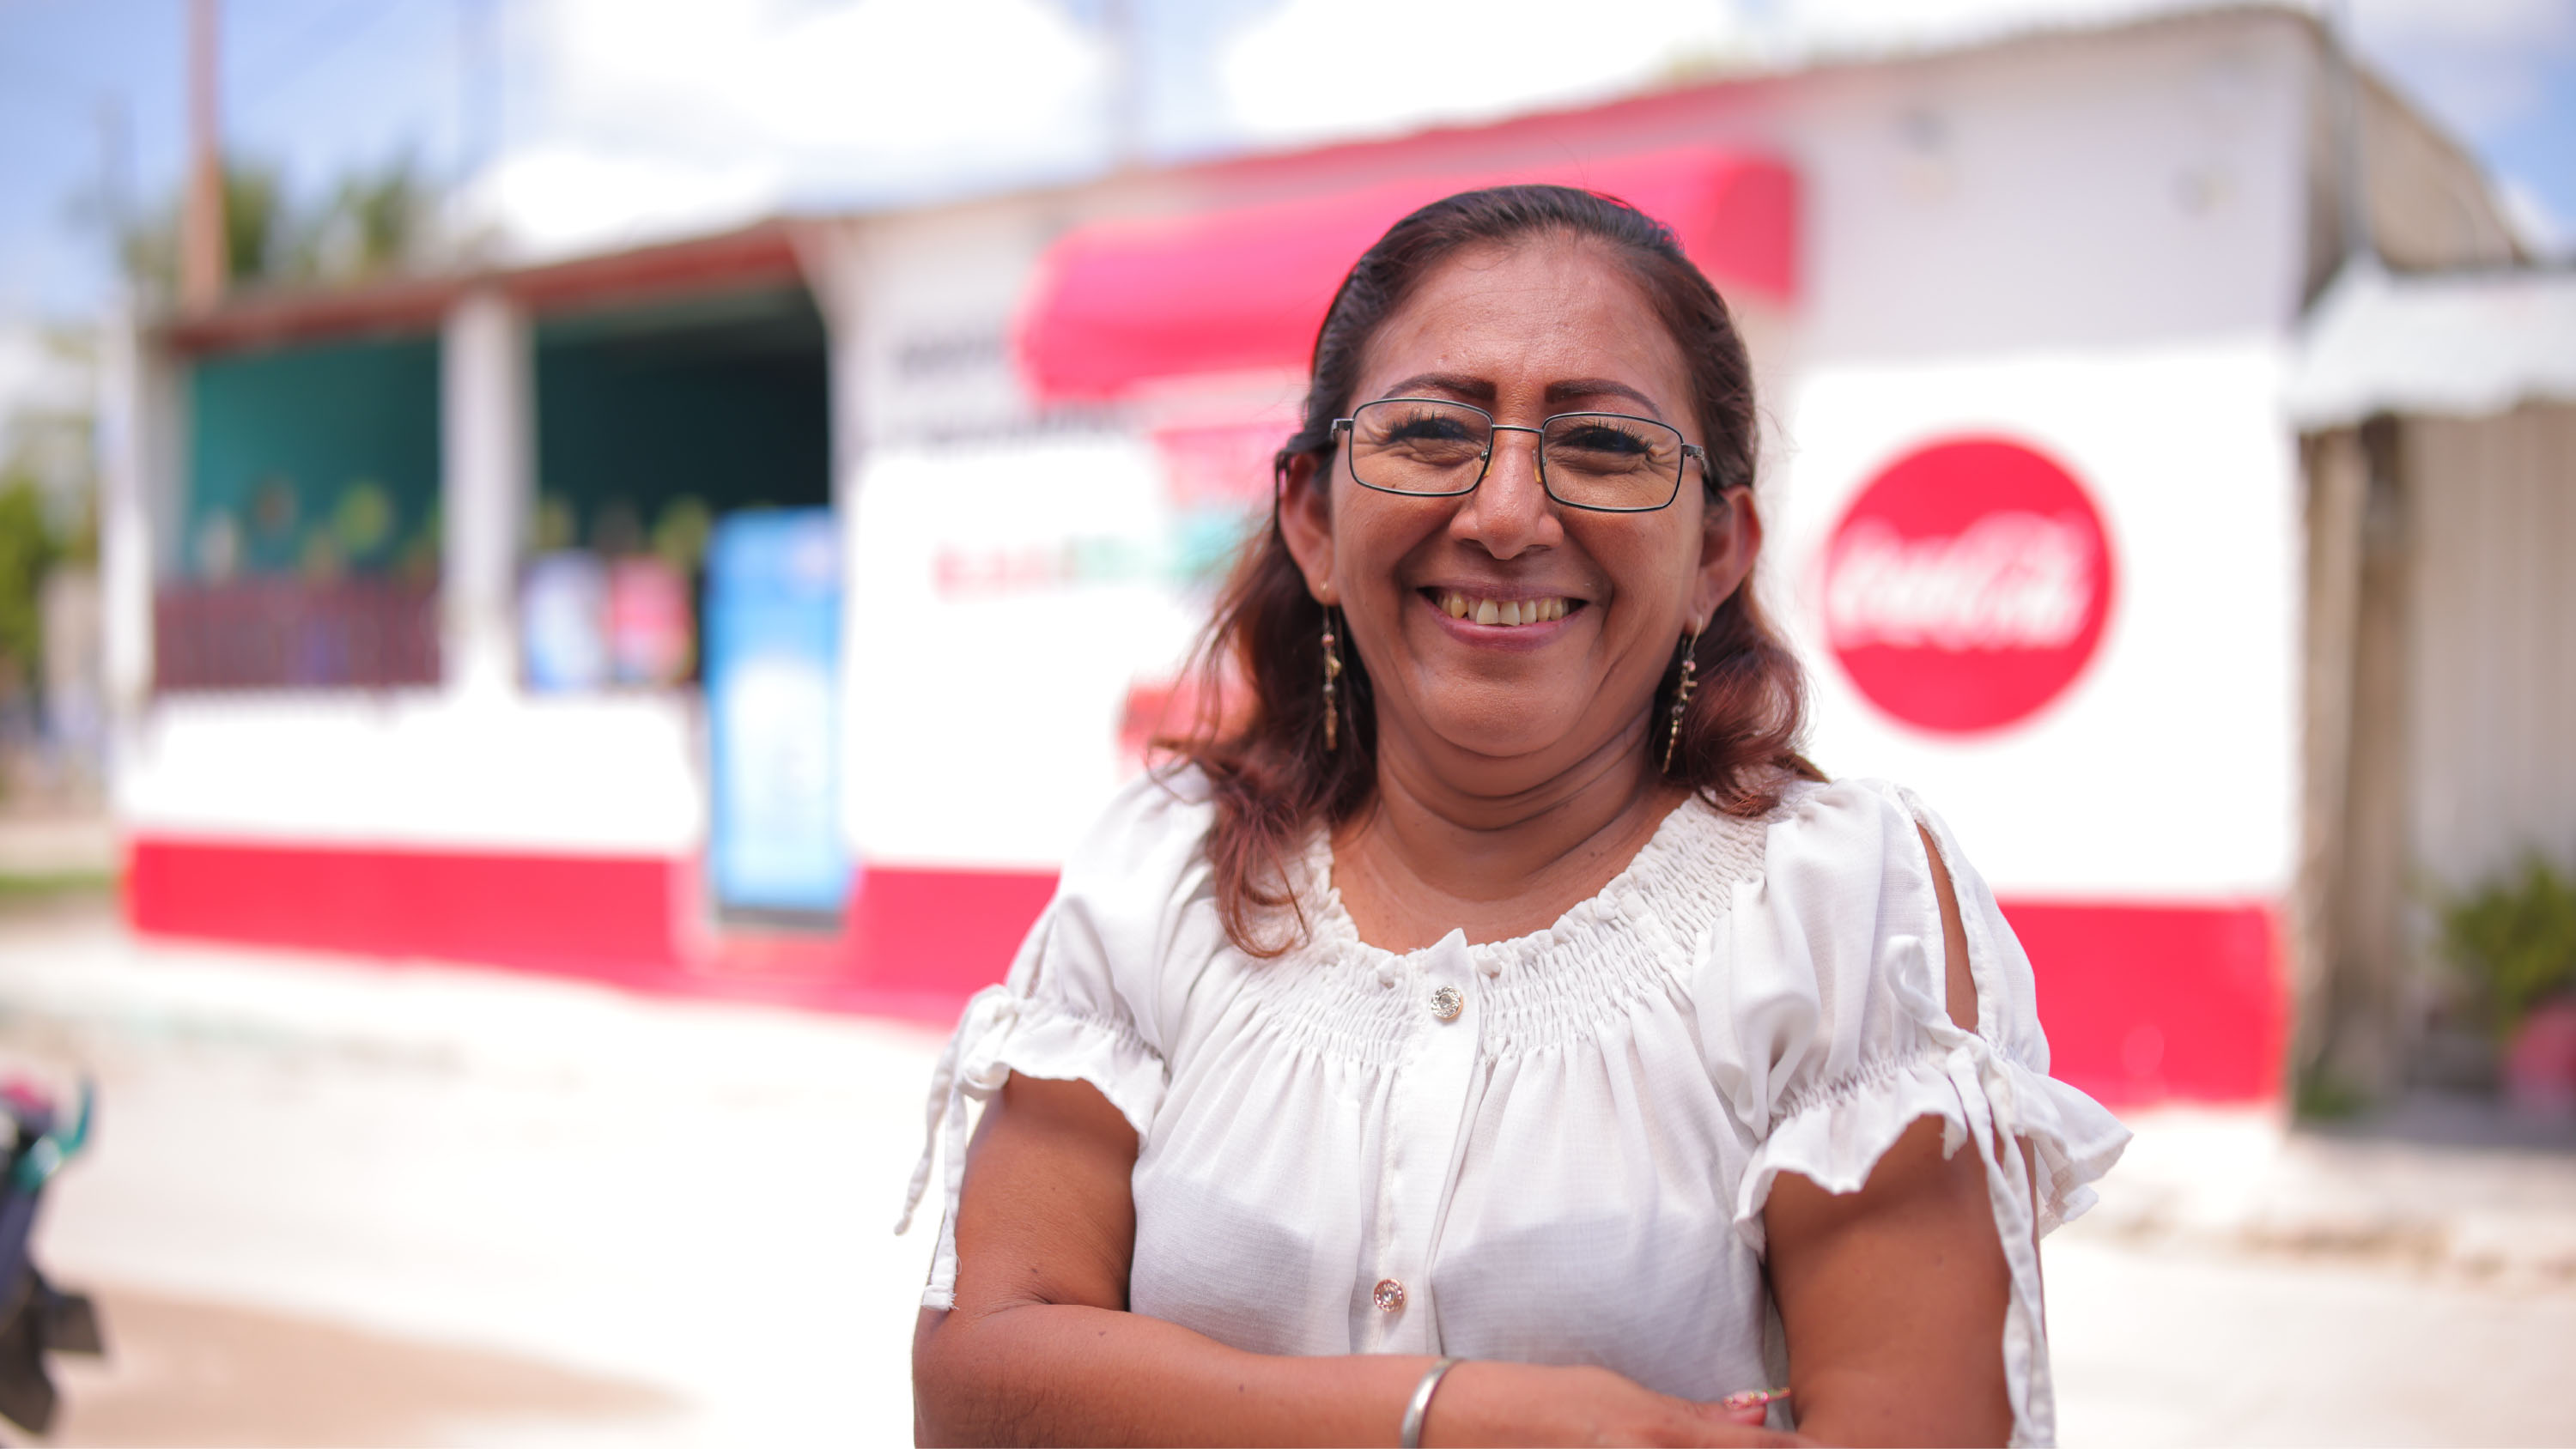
1117	303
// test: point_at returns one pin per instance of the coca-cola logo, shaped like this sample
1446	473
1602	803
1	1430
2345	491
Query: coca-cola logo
1967	585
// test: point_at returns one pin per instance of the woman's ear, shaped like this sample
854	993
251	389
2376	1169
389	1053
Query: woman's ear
1306	522
1730	539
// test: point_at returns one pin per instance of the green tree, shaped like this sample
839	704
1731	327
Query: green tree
368	223
2514	939
373	222
48	506
29	548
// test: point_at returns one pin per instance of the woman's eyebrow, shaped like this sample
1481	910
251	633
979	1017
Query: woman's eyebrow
1481	390
1577	389
1456	384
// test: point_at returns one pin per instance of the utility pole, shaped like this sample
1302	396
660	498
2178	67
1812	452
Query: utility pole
203	253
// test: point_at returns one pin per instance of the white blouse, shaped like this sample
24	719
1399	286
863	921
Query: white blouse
1553	1149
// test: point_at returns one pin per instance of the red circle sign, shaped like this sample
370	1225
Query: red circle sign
1967	585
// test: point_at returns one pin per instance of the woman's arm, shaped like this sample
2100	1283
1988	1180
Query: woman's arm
1040	1347
1893	1297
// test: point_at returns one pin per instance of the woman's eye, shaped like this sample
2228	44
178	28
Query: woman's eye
1603	438
1427	428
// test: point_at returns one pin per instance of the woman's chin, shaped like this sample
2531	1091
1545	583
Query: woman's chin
1511	732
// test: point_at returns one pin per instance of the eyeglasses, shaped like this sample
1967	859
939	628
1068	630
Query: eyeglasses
1432	448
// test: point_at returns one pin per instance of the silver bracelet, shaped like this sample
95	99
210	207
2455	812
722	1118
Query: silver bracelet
1416	1411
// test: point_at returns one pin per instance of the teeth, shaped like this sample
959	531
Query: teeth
1506	613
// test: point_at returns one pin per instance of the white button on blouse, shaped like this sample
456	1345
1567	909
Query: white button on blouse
1553	1149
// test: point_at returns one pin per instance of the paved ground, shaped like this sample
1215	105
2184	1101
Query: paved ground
549	1211
336	1202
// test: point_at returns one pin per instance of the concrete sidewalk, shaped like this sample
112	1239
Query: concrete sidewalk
609	1218
2449	1186
488	1208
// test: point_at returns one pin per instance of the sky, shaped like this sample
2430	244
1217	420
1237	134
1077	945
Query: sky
576	124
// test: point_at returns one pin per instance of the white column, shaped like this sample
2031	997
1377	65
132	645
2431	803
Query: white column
488	450
135	421
833	258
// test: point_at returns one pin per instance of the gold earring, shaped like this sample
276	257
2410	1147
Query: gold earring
1332	684
1682	688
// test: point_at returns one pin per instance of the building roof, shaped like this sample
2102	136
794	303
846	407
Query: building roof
757	254
2444	343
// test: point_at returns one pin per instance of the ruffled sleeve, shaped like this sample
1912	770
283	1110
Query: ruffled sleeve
1089	996
1831	1036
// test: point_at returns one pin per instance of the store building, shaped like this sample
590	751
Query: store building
2027	315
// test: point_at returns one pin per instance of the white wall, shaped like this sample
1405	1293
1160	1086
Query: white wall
602	774
1004	598
2169	767
2093	245
2139	188
2491	657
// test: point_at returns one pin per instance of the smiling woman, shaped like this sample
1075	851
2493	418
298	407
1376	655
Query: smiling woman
1496	1032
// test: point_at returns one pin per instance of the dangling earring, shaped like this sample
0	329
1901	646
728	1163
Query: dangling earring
1682	688
1332	684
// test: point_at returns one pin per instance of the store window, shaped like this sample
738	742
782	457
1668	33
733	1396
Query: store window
308	550
653	423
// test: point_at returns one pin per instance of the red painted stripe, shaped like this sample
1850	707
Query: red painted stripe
943	933
543	912
916	942
2146	1003
2142	1002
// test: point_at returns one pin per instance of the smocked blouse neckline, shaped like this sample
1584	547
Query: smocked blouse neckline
1335	929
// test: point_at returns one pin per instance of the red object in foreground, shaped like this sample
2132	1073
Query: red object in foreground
1118	303
2141	1002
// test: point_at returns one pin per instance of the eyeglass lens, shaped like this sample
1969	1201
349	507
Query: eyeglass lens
1590	460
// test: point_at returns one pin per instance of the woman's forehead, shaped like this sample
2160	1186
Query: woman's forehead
1533	313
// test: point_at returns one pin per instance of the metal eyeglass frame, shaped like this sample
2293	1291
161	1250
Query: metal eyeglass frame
1485	465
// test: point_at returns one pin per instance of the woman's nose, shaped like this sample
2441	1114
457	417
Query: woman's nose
1510	512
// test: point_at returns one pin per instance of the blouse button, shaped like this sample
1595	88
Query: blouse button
1446	1003
1389	1295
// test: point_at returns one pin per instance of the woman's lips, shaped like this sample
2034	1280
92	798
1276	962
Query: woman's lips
1542	618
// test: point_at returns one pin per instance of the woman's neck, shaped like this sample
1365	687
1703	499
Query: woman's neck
1497	858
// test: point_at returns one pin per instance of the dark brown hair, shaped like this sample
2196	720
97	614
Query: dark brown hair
1264	754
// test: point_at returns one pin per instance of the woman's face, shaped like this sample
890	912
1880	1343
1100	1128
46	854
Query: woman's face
1545	326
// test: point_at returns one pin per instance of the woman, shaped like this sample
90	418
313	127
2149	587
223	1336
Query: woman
1498	1033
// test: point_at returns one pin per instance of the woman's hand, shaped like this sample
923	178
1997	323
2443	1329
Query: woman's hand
1039	1350
1482	1402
